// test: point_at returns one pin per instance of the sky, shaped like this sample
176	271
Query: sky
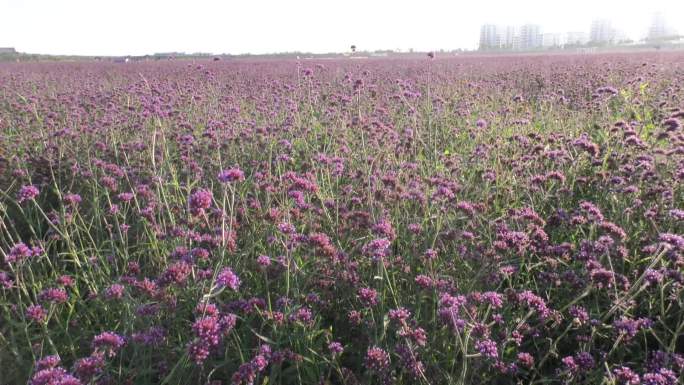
138	27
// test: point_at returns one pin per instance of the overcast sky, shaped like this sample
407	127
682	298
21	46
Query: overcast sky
135	27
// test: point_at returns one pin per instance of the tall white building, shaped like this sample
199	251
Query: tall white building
490	37
509	36
660	29
602	32
530	36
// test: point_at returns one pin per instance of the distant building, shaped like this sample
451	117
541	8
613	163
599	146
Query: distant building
659	29
576	38
508	37
602	32
7	50
621	37
552	40
490	37
530	36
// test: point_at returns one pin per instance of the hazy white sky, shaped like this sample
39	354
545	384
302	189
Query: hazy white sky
120	27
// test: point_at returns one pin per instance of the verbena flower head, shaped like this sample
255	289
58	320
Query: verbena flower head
377	359
36	313
377	249
72	199
53	376
200	201
335	348
368	296
114	291
27	193
487	348
227	278
18	253
234	174
108	343
48	362
55	295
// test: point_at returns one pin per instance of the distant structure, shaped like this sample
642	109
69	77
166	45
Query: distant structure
576	38
602	32
509	37
552	40
530	37
660	30
7	50
494	37
490	37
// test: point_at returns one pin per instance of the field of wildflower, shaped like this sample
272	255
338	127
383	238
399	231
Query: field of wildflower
468	220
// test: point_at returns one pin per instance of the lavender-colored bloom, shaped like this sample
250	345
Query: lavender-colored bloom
579	314
227	278
377	359
230	175
423	281
525	360
662	376
602	277
335	348
487	348
303	315
585	361
47	362
199	201
18	253
36	313
674	240
54	295
672	124
286	228
592	211
86	368
535	302
125	196
53	376
114	291
6	280
626	376
677	214
377	249
27	193
368	296
399	315
209	331
570	364
108	342
384	229
264	260
494	299
653	277
430	254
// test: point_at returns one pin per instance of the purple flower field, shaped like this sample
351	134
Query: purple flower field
468	220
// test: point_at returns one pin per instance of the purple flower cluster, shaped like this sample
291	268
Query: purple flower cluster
231	175
470	219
